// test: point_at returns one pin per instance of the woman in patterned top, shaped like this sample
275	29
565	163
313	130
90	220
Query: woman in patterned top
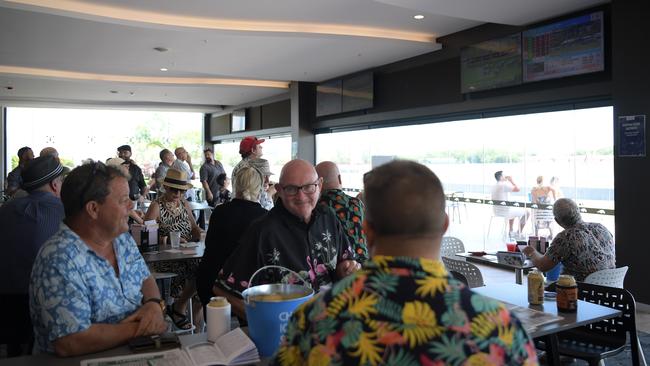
583	247
172	213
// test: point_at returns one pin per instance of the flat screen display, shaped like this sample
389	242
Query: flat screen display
491	64
357	92
569	47
238	122
328	97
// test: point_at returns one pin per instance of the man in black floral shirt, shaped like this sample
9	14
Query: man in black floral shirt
295	234
403	308
349	210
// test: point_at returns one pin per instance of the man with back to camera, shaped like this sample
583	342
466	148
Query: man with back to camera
501	192
14	178
297	234
250	147
208	173
582	248
50	151
26	223
349	210
137	187
262	167
403	307
90	289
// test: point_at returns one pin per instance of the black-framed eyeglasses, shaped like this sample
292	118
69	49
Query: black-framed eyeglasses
97	167
305	188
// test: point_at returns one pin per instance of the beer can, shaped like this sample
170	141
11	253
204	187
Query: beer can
567	294
535	288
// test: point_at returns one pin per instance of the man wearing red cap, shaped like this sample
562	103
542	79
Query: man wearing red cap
249	148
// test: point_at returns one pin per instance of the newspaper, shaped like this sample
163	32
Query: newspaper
232	348
531	319
175	357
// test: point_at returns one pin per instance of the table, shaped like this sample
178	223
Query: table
163	255
52	360
491	260
202	207
518	295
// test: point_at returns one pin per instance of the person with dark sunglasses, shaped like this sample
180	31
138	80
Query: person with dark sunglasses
172	213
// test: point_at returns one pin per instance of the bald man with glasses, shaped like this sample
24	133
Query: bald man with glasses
297	234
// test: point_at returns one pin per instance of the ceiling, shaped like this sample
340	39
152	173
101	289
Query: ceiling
101	53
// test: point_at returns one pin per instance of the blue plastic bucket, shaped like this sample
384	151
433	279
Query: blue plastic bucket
554	273
268	309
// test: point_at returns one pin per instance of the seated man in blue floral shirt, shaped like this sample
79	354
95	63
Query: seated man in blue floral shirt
90	289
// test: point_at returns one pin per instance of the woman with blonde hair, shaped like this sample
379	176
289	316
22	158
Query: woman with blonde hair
544	195
227	224
172	213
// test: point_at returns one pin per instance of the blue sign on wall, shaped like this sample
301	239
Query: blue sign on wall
631	136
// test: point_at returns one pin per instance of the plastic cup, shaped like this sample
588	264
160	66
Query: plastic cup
175	239
512	247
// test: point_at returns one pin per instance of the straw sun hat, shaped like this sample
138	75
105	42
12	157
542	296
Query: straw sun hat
176	179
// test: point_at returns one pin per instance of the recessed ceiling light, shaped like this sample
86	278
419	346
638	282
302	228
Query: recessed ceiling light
113	91
418	17
163	69
161	49
9	87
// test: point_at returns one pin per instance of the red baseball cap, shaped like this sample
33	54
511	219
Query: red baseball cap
247	144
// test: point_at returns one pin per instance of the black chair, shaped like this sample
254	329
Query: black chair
16	328
597	341
460	277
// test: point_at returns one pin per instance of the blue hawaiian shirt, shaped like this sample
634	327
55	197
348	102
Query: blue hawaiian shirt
72	287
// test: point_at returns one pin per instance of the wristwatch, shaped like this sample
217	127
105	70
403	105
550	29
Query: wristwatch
159	301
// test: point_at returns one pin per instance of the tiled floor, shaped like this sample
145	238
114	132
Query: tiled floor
493	275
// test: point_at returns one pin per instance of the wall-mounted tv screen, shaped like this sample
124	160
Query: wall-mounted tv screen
346	94
238	121
357	92
328	97
569	47
491	64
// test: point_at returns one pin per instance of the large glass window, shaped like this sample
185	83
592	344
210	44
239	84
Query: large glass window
80	134
574	147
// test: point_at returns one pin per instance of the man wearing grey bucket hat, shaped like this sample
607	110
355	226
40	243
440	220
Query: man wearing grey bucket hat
262	166
26	223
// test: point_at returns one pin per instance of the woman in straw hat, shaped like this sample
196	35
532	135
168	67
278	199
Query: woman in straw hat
172	213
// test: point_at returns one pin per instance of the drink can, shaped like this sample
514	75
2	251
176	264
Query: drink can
535	288
567	294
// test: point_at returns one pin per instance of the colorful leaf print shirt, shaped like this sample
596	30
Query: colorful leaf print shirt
349	211
404	311
72	287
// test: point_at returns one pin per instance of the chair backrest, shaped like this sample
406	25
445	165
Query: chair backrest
615	329
459	276
450	246
470	271
608	277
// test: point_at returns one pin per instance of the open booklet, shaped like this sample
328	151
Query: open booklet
232	348
531	319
